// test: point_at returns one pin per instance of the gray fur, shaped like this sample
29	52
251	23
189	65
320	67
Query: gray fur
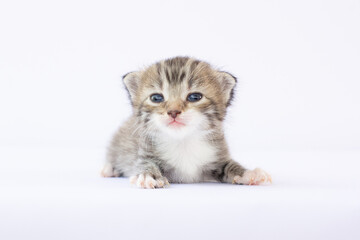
140	146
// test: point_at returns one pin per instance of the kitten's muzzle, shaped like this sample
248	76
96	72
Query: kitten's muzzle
173	113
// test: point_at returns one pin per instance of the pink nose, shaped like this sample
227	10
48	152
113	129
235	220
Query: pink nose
173	113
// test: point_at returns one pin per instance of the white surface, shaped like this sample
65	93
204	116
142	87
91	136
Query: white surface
297	64
58	194
296	115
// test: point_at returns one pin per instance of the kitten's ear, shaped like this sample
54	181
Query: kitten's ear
132	81
227	83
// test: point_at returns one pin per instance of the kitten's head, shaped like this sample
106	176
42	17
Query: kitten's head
180	95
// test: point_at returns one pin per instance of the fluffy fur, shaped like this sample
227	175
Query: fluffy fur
177	140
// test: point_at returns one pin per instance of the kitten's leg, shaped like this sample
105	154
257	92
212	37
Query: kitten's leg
232	172
149	177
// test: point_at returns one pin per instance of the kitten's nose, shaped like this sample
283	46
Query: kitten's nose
173	113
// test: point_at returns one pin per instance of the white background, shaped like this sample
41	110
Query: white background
296	112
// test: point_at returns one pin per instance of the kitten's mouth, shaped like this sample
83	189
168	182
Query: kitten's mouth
175	123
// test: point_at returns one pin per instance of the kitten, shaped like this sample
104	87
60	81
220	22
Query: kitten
175	133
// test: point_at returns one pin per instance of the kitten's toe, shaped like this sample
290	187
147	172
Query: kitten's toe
145	180
253	177
162	182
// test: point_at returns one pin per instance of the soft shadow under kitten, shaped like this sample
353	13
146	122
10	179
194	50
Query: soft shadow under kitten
175	133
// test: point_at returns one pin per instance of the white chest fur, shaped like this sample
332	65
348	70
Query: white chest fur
186	157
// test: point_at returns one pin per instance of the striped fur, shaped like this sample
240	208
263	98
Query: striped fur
151	151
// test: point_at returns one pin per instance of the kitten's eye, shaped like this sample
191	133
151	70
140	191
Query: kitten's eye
194	97
157	98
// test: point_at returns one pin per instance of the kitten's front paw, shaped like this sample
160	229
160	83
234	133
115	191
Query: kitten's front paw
108	171
253	177
146	180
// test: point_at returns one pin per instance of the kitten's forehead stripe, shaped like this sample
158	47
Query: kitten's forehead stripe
192	72
182	76
177	61
167	75
175	69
